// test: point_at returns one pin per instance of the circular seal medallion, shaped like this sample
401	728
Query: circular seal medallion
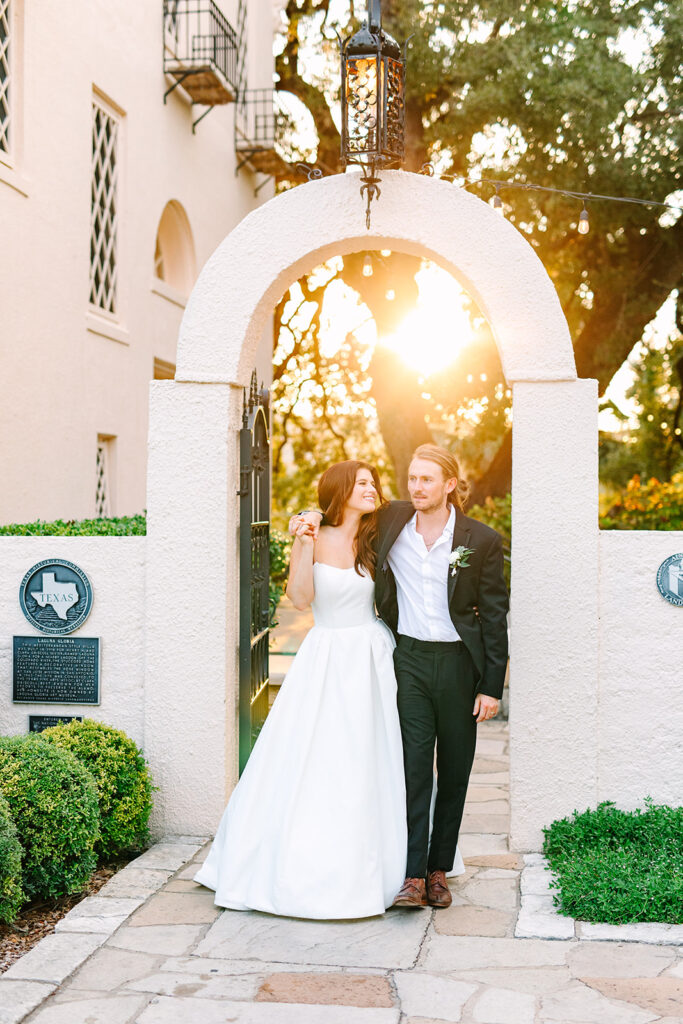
55	596
670	579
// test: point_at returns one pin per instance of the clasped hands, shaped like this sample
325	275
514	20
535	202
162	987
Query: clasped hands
305	526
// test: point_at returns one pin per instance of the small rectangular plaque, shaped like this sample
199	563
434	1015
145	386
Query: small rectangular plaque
56	670
36	723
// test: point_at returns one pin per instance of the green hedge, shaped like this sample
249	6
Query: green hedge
124	526
11	892
619	867
53	802
121	774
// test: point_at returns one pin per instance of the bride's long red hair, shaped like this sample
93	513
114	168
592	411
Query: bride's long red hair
334	490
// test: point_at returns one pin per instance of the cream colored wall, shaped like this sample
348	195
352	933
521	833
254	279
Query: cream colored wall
69	375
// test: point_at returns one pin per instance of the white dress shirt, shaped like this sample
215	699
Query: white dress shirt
422	582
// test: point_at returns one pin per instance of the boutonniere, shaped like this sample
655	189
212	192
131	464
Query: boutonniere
458	558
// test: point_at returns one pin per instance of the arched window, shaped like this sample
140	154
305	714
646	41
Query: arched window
174	259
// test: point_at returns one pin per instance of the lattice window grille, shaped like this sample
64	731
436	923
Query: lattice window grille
4	75
102	480
103	220
172	20
241	47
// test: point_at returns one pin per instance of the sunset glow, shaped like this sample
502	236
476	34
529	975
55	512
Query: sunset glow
432	336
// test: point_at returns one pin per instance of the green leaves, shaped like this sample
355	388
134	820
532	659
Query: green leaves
123	526
122	778
617	866
280	547
53	802
11	893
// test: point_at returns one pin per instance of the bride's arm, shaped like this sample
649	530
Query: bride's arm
300	582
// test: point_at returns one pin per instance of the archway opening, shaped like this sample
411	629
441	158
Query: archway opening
375	353
554	667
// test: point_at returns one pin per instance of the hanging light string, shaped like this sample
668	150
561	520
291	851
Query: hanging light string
571	194
586	197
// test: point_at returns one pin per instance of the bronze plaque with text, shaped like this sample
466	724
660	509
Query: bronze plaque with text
56	670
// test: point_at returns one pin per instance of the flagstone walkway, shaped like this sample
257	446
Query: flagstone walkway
180	960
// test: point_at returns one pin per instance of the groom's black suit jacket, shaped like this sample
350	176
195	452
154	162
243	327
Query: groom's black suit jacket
477	594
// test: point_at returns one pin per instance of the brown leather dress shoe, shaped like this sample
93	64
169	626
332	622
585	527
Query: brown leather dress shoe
411	894
438	893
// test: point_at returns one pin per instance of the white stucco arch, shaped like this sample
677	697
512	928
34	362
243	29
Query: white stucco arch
279	241
191	643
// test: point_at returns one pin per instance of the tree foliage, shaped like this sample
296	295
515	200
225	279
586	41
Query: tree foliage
650	443
581	96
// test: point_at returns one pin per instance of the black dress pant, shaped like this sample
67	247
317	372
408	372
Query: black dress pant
436	692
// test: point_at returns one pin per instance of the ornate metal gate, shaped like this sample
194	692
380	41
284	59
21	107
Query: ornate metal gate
254	495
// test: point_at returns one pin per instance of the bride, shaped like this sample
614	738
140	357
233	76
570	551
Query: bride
316	826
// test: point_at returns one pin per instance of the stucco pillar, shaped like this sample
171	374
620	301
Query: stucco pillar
554	613
191	604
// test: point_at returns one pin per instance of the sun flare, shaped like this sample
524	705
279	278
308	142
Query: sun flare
432	336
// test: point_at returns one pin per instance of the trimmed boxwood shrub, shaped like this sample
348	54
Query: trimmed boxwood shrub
53	801
11	893
122	777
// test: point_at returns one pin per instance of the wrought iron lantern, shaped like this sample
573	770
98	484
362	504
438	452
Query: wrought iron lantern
373	102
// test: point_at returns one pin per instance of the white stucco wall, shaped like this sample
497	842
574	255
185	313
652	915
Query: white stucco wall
192	602
415	214
554	607
640	714
115	567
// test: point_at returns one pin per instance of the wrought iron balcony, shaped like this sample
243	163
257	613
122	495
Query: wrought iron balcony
261	123
202	51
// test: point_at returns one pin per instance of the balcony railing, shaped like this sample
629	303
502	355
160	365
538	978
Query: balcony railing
261	125
201	51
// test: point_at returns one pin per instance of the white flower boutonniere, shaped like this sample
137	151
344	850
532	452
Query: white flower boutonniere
458	558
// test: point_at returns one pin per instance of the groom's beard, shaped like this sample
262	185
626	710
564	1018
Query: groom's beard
419	504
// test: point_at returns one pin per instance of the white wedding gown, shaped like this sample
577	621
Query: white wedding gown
316	826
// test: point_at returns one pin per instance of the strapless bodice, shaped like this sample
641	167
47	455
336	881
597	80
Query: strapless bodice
342	598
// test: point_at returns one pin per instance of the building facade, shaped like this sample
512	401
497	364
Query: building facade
119	175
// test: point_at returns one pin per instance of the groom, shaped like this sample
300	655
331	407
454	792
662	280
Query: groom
440	587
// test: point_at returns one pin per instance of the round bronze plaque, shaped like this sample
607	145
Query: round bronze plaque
55	596
670	579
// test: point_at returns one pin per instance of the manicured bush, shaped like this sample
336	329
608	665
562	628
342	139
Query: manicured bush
123	526
53	801
618	866
11	892
121	774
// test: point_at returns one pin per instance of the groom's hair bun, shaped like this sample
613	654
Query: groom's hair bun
450	468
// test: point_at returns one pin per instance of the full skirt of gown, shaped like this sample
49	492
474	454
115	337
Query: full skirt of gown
316	826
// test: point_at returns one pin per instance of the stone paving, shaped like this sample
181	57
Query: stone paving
157	951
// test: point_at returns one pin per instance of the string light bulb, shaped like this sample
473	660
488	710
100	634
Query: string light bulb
583	226
367	265
497	203
390	294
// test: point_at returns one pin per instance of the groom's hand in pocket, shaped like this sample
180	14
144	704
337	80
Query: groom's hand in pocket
485	707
